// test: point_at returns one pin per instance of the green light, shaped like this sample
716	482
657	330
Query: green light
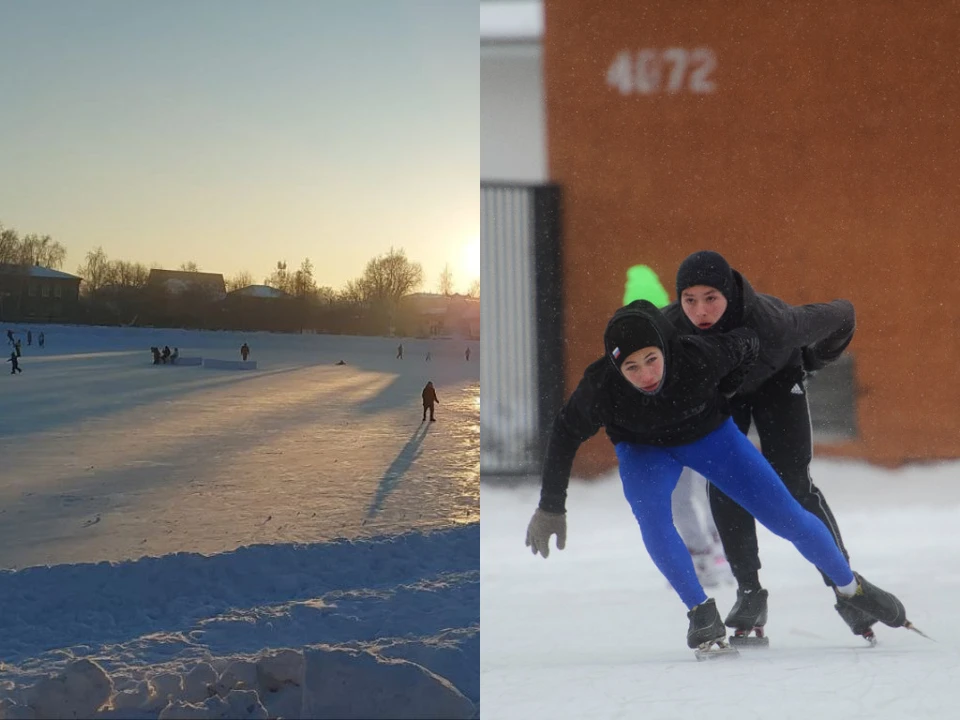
643	284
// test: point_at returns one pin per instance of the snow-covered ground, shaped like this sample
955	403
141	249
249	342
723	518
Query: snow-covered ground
192	531
595	631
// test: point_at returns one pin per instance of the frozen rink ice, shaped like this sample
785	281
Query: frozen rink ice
595	631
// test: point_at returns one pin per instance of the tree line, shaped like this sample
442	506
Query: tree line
117	291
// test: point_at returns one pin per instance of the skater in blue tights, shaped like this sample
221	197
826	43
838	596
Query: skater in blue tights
663	399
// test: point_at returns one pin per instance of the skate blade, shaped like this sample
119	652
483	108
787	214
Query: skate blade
715	650
910	626
749	641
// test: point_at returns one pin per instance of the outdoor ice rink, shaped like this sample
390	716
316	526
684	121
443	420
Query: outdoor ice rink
167	522
108	457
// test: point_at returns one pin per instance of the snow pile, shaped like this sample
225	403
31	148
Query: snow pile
324	682
393	618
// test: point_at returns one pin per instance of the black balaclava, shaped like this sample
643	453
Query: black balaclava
627	335
710	268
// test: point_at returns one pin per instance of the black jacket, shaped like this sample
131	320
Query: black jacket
688	405
821	330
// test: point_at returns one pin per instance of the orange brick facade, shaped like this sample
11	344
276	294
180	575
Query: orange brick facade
816	145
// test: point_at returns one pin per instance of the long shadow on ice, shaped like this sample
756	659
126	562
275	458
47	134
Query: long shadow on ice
398	468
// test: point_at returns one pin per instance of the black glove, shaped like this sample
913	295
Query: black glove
729	384
812	362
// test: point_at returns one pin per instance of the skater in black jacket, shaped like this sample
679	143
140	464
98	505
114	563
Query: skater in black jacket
662	399
714	298
429	396
15	359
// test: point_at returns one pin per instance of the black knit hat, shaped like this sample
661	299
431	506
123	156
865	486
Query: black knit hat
707	268
627	335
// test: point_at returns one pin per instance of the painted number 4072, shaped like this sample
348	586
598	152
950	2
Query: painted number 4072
673	70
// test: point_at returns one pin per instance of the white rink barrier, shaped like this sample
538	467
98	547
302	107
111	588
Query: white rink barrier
215	364
190	361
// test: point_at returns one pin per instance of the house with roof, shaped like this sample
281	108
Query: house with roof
259	291
31	292
179	282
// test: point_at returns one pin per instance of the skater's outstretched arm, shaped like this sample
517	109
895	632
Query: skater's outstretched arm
577	422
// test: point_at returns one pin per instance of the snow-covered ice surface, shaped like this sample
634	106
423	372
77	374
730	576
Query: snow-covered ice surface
595	631
180	527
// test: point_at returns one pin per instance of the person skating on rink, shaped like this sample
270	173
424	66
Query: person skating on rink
165	355
29	337
18	347
662	399
174	356
400	351
429	396
244	352
427	358
713	297
41	339
15	359
466	354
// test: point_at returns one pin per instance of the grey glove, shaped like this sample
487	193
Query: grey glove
542	525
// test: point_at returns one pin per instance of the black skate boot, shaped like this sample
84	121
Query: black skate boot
706	630
877	603
748	614
857	620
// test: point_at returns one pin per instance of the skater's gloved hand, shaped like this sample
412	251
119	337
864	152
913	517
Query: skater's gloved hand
812	361
542	525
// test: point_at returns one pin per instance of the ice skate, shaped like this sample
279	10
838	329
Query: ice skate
706	632
859	622
880	604
749	615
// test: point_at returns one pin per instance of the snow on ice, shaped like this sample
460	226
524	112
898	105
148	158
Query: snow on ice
187	542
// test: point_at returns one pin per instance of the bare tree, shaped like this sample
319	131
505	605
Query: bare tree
30	250
240	280
445	284
128	274
389	277
280	278
189	267
326	295
355	292
303	283
9	245
474	289
95	271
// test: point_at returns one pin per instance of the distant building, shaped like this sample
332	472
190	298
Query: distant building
259	291
443	315
177	282
37	293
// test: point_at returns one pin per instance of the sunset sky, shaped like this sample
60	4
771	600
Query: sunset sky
237	133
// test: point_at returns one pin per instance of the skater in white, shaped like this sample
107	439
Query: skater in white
690	501
694	521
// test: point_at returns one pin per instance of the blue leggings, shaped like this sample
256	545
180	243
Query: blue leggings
730	461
